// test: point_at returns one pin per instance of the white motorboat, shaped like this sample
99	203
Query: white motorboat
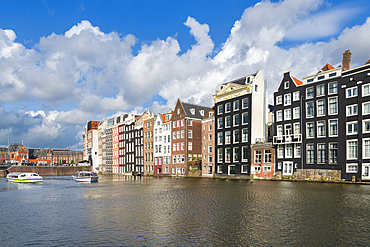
85	176
24	177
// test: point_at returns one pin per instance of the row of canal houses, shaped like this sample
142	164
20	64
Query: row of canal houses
317	129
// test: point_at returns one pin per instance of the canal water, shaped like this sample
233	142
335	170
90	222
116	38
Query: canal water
121	211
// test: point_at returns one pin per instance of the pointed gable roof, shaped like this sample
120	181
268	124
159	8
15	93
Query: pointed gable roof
195	111
327	67
296	81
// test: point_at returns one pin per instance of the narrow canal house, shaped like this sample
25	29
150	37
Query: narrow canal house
148	145
322	124
186	136
240	114
208	144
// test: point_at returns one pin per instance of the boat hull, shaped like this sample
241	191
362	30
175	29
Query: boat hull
18	177
15	180
86	179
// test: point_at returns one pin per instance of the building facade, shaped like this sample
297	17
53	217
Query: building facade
208	144
240	114
263	160
320	124
148	146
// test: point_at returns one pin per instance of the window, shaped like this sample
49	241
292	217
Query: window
210	126
236	105
245	118
321	77
310	80
366	148
365	90
320	90
245	154
190	134
220	157
366	108
297	150
245	102
352	128
351	168
332	74
190	122
228	121
279	130
366	126
220	139
245	135
288	129
178	111
174	147
236	136
321	153
183	122
352	110
220	109
209	148
227	154
333	127
310	130
183	133
296	96
210	158
287	99
351	92
210	137
267	156
333	87
297	128
236	154
310	153
296	113
309	93
310	109
244	169
287	114
228	107
227	137
333	153
182	145
286	84
288	151
236	120
351	149
280	153
190	146
220	123
219	169
279	116
321	107
333	106
178	134
321	129
279	100
257	156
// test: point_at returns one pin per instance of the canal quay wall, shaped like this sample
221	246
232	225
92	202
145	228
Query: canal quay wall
46	170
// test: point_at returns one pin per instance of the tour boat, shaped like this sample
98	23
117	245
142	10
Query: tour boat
24	177
84	176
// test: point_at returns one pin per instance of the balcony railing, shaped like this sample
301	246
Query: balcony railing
286	139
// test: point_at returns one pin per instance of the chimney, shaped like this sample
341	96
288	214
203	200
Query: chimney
346	60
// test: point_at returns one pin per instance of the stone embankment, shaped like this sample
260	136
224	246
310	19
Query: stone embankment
47	170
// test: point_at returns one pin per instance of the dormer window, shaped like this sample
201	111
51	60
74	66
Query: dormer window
201	112
310	80
167	117
192	111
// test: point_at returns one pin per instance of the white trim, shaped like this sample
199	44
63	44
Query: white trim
351	165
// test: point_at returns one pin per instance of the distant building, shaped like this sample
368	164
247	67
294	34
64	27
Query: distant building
90	143
186	136
208	124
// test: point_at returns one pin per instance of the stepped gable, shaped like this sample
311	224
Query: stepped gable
197	108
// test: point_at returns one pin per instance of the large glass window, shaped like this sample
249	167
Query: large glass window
245	117
352	110
287	114
246	103
287	99
365	90
220	138
220	123
296	113
220	155
351	92
333	153
227	154
236	105
245	154
228	121
296	96
279	116
297	128
267	156
288	151
310	131
236	154
310	109
309	93
351	149
279	130
352	128
320	90
321	107
365	108
279	100
310	153
366	148
366	126
333	127
333	106
321	153
220	109
227	107
321	129
333	87
236	120
280	153
257	156
227	137
245	135
236	136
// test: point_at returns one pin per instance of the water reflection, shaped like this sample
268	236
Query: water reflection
121	210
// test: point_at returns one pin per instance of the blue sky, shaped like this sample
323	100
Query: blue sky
63	63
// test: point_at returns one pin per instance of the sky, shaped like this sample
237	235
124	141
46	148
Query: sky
64	63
